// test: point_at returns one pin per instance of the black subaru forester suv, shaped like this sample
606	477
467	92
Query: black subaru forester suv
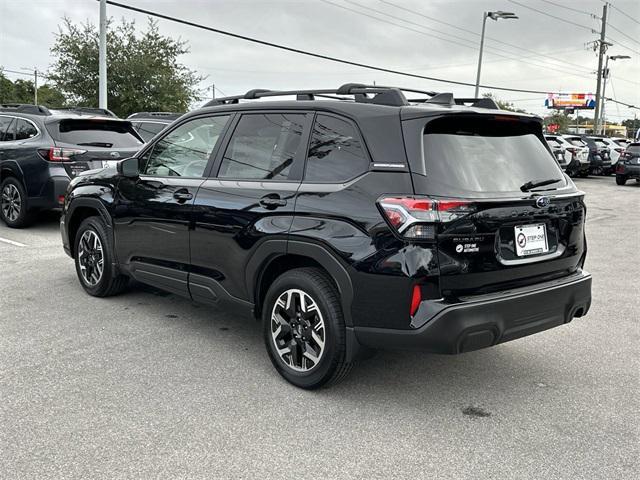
346	220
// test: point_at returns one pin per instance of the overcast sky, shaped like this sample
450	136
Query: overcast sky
367	31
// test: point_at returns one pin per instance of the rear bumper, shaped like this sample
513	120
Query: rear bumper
489	319
51	193
629	171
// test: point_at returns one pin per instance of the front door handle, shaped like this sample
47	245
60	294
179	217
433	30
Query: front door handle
272	201
182	195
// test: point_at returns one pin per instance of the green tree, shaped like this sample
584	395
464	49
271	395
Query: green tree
632	125
21	91
143	70
558	118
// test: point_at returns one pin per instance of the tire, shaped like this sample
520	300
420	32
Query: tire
13	203
88	252
322	306
621	179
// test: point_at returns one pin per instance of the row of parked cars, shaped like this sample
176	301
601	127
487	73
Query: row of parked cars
583	155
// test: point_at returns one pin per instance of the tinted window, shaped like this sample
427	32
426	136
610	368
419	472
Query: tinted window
25	130
335	152
622	143
94	132
576	141
148	130
469	155
185	151
553	141
263	146
600	142
6	129
634	149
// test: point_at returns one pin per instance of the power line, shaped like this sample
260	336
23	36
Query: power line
553	16
570	8
318	55
518	47
519	59
625	14
616	42
622	33
312	54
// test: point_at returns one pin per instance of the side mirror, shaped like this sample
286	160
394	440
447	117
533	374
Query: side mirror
128	167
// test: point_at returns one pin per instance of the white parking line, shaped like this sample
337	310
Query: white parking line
11	242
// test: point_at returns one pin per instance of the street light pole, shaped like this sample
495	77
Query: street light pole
35	86
102	68
605	75
493	16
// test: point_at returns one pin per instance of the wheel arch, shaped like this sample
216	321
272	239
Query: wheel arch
79	210
278	256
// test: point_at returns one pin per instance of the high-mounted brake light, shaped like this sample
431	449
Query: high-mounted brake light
416	217
60	154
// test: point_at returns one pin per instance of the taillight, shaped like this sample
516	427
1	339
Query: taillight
619	150
416	298
60	154
417	217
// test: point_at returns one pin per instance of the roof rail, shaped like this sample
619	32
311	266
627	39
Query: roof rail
379	95
24	108
376	94
170	115
87	110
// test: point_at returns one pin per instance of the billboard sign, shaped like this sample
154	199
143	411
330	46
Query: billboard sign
564	101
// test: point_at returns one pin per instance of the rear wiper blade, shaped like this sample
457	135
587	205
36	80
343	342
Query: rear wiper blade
97	144
538	183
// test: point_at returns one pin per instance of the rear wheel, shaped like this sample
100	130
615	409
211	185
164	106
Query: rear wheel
95	260
304	329
621	179
13	203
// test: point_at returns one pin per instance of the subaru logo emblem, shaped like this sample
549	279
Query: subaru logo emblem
542	202
114	155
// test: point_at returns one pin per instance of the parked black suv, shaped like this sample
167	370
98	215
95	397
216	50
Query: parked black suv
149	124
344	225
628	167
599	155
42	149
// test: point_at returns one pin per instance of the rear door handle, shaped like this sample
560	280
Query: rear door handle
272	201
183	195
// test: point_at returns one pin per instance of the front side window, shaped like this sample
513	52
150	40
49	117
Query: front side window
335	152
25	130
263	147
185	151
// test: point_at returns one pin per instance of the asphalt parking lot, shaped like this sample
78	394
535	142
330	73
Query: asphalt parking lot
150	385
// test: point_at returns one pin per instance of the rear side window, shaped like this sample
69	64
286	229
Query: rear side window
94	132
263	147
335	152
553	140
25	129
472	155
6	129
148	130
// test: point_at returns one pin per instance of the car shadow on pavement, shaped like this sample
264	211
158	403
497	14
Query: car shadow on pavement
388	376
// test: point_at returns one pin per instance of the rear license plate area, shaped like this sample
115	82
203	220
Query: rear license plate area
531	239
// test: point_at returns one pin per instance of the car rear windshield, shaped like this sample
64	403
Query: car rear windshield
634	148
95	132
577	141
468	155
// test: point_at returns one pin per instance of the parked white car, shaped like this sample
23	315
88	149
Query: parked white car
615	149
576	155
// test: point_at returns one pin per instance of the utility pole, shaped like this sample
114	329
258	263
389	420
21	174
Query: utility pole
603	49
213	91
102	69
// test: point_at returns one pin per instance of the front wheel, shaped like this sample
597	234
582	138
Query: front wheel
621	179
304	329
95	261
